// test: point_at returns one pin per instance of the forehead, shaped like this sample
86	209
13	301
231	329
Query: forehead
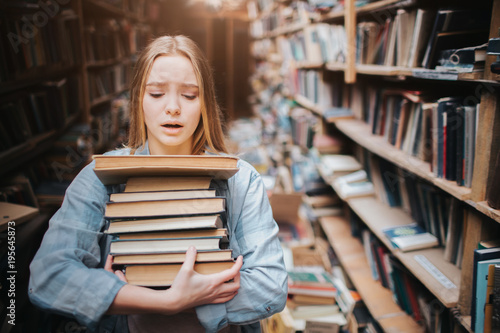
172	69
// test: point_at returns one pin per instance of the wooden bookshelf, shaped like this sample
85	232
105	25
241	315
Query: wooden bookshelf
359	131
482	87
335	66
484	208
383	70
47	80
305	102
378	299
378	216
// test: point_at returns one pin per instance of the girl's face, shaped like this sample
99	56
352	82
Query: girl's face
171	106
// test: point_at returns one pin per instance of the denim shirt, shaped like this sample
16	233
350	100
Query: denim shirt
67	275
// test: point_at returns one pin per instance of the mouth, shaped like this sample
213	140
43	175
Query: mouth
171	125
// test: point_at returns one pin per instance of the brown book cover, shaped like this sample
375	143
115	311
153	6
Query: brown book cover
219	232
161	195
171	257
137	246
164	275
167	183
156	208
164	223
115	169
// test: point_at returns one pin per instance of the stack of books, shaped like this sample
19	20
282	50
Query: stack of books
167	206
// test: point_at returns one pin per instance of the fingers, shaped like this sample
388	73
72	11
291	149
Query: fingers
121	276
109	262
108	266
190	258
230	273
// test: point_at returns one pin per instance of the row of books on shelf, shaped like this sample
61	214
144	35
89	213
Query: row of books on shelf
322	90
138	10
422	38
438	217
316	43
302	123
112	39
27	116
437	130
441	131
407	291
28	48
411	38
167	205
109	80
448	38
298	13
435	211
46	179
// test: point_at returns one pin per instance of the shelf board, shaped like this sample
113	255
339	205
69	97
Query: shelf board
101	6
377	5
108	62
484	208
383	70
335	66
378	216
368	8
305	102
24	152
332	15
288	29
309	64
378	299
36	75
360	132
106	98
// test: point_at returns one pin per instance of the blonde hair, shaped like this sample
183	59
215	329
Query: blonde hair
209	133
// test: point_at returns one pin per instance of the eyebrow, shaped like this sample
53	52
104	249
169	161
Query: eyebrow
162	83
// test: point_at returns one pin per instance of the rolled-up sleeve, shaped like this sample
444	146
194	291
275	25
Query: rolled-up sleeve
254	234
65	277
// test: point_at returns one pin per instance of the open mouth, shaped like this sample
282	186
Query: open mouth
171	125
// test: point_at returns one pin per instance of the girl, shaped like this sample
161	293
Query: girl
173	111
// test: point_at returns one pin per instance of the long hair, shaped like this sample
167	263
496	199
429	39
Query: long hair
208	134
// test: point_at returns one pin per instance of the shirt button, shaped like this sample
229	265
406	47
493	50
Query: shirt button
268	309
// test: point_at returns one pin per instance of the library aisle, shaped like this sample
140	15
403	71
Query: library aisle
374	125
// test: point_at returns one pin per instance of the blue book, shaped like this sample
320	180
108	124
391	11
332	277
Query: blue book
480	255
481	285
410	237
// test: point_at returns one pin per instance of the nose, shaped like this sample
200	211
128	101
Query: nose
172	106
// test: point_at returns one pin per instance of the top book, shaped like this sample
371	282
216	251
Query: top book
116	169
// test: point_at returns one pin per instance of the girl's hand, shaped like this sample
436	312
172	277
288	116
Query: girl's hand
107	266
193	289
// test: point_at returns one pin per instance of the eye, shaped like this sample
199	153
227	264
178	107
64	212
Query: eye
190	97
155	95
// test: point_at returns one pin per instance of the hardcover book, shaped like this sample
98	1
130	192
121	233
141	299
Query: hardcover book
157	208
410	237
163	275
116	169
164	223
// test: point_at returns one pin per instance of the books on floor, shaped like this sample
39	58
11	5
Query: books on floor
160	215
